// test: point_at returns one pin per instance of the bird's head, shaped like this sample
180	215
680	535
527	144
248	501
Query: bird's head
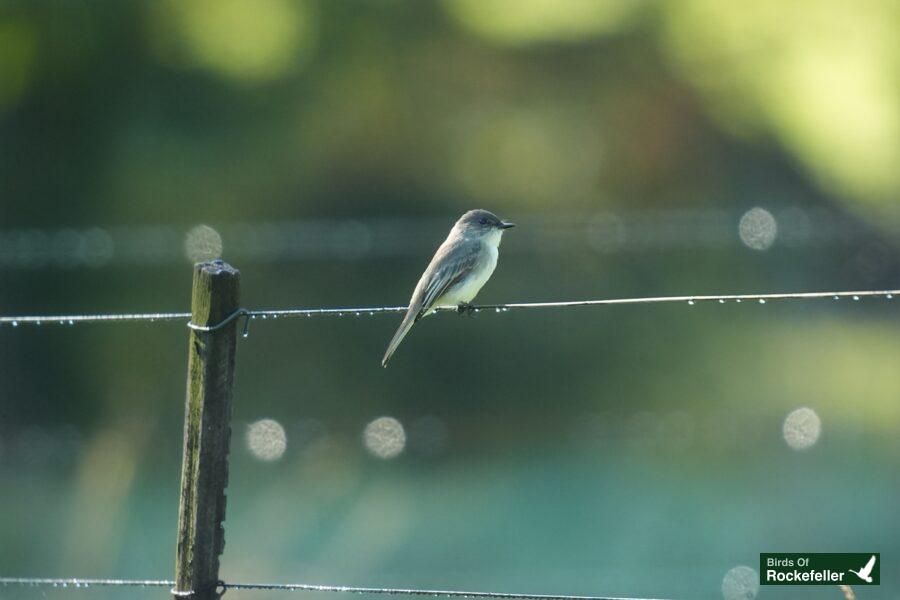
482	222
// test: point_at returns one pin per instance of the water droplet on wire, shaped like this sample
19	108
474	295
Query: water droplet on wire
856	297
690	302
762	300
15	323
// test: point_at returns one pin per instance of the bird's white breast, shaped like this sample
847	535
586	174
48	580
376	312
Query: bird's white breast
468	288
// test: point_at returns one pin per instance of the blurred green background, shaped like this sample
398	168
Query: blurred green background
325	148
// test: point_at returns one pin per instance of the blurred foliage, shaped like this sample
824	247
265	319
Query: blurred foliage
500	101
620	451
819	77
536	21
241	40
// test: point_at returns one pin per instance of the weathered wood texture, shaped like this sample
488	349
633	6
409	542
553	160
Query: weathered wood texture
207	431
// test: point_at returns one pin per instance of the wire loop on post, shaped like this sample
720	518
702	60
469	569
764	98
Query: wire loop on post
181	593
241	312
219	589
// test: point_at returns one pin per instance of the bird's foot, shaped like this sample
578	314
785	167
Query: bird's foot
464	308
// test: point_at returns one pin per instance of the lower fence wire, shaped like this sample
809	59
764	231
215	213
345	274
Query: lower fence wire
295	587
299	587
83	583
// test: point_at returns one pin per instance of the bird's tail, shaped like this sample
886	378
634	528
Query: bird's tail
408	321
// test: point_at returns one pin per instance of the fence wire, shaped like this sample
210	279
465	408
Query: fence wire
250	314
293	587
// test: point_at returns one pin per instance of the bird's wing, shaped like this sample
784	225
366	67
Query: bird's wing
452	261
450	264
868	568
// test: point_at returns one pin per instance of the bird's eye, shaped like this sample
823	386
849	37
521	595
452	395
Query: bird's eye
484	221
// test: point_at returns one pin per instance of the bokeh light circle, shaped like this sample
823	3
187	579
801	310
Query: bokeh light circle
202	243
384	437
802	428
740	583
758	229
266	440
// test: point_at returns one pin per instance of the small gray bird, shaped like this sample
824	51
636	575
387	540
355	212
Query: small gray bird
460	267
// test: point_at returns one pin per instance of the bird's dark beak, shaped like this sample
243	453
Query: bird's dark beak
506	225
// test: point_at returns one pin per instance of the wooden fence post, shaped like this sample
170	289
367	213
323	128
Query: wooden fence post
207	431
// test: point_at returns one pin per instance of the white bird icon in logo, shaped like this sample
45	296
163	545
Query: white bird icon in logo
865	572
